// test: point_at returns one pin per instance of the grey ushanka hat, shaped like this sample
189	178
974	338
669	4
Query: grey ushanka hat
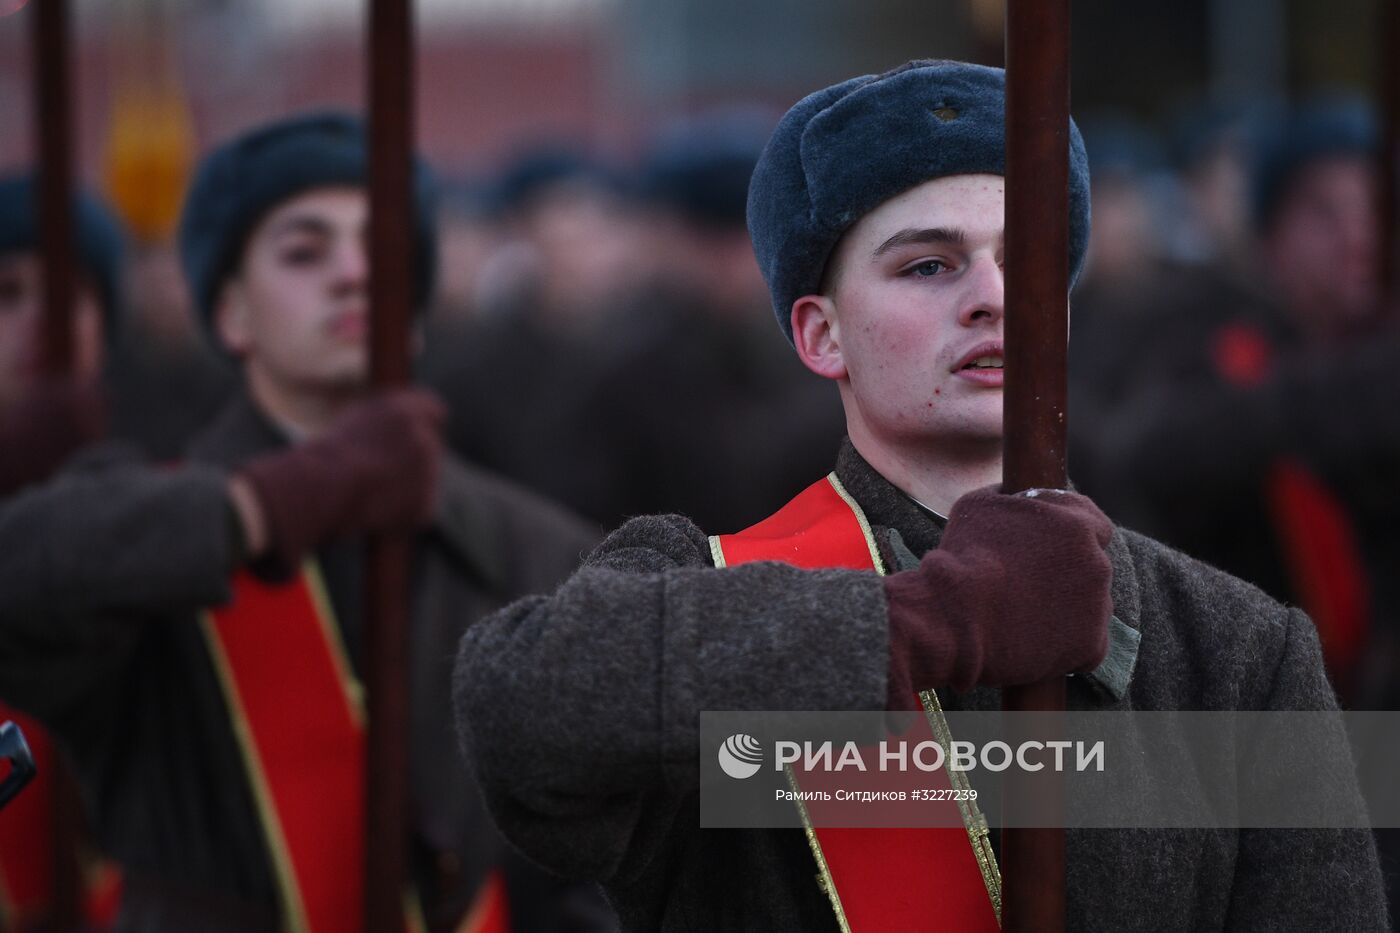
841	152
99	237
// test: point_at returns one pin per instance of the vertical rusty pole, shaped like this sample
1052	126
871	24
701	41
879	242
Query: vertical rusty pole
53	131
52	116
387	595
1037	331
1388	69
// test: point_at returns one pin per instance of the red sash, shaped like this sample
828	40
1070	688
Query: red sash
877	879
27	853
26	842
297	711
489	914
298	715
1324	560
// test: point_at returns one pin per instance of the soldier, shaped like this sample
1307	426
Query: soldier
512	376
1260	436
43	420
692	380
876	213
193	635
1257	434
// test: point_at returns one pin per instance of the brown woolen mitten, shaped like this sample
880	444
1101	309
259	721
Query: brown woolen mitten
375	469
1017	591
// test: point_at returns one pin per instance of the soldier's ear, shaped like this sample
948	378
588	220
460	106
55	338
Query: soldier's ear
231	318
816	333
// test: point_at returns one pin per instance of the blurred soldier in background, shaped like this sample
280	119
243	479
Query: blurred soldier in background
569	232
1260	433
638	367
1124	266
697	407
43	421
1257	432
470	231
165	381
511	377
1213	147
222	750
1165	247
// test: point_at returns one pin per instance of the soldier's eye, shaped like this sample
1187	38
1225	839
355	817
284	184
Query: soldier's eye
929	267
301	255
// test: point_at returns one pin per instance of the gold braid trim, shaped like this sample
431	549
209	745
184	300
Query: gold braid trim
717	553
864	522
335	643
293	910
824	879
973	820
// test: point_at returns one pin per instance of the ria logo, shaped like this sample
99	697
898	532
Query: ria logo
740	756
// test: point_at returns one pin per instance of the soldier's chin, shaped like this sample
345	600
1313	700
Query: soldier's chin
970	438
984	419
350	376
976	434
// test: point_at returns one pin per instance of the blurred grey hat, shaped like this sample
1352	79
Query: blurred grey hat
240	181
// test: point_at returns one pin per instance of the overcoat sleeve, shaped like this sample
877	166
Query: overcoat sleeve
85	554
1307	879
580	711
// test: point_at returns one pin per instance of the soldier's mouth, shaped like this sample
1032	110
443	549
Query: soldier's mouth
983	356
982	365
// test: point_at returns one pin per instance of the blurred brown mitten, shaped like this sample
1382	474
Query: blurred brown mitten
375	469
1016	592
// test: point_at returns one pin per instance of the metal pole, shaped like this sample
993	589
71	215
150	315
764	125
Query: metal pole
54	202
1037	332
1389	155
53	131
387	593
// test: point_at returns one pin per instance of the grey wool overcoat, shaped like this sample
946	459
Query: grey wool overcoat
580	712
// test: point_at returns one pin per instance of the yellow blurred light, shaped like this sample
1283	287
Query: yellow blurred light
150	148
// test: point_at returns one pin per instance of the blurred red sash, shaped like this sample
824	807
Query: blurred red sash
298	715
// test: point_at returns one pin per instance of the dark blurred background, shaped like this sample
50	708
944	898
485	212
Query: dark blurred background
492	71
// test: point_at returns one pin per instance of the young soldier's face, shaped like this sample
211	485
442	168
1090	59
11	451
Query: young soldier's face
21	326
911	325
1323	250
297	310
